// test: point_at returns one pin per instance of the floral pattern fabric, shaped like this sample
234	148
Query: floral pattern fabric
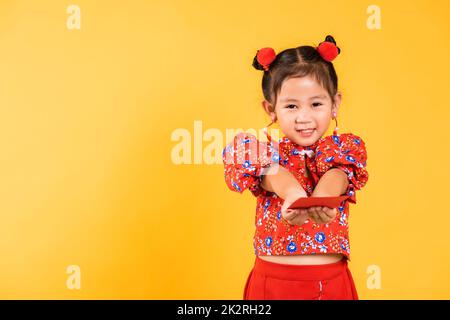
245	158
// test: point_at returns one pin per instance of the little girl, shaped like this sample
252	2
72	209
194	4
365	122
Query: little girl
300	253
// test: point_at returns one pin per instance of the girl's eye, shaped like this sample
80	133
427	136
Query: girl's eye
292	106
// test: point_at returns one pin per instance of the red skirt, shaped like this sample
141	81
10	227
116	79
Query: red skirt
276	281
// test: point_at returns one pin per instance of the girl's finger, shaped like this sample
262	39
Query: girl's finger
289	212
319	214
325	212
314	216
292	214
331	212
308	212
298	220
323	216
287	215
334	213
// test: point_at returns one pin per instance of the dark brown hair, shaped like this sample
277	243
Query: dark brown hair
295	63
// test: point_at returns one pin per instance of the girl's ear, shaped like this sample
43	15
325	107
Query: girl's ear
336	103
267	108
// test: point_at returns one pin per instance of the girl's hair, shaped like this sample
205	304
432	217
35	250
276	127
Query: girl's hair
295	63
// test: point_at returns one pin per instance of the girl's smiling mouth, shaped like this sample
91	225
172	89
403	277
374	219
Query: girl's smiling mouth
306	132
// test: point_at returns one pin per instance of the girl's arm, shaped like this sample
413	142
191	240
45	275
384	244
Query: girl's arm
282	182
346	152
333	183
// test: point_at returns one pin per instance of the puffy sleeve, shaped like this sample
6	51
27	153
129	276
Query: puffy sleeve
348	153
244	160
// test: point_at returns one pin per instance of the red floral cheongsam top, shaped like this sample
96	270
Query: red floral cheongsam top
244	162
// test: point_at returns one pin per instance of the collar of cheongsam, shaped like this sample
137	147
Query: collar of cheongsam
295	149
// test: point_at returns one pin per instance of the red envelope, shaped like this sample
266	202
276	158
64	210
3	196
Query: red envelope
330	202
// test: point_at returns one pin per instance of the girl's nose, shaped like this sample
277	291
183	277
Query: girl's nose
303	115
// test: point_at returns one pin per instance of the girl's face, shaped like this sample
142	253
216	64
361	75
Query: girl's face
303	104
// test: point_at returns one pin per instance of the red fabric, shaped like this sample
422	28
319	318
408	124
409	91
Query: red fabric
330	202
244	163
275	281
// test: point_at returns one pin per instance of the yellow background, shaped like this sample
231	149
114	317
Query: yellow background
86	118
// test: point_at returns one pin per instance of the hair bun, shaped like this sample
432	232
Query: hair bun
328	49
263	58
330	39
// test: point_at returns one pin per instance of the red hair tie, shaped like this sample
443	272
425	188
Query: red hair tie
328	49
265	57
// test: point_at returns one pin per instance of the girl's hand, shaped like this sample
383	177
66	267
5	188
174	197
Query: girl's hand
294	216
322	214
